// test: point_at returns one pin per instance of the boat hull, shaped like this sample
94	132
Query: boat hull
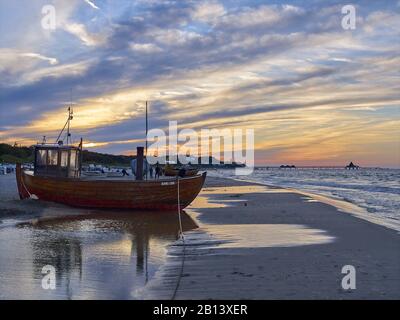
117	194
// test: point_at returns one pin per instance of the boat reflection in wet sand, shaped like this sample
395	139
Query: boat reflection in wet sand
101	228
106	255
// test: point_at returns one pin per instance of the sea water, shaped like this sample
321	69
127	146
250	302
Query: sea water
375	190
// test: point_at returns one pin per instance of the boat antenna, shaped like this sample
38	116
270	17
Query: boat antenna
70	112
67	124
70	117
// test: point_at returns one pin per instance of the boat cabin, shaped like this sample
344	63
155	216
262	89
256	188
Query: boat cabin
57	160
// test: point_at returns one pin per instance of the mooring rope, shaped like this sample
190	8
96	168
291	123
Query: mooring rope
23	184
183	244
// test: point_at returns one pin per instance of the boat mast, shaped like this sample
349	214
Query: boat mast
69	120
69	114
147	128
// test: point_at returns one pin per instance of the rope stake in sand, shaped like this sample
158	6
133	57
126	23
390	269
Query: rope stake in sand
179	213
183	243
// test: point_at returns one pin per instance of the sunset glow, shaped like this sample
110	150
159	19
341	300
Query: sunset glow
314	93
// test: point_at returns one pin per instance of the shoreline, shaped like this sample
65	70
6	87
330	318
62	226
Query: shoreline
222	261
345	204
256	241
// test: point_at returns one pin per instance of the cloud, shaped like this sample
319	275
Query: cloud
208	12
259	17
79	30
61	71
91	3
16	64
281	69
52	61
145	47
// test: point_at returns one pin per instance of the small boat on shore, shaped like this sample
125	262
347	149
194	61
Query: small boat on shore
52	183
170	171
57	177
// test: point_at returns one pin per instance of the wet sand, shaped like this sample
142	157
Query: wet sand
97	254
258	242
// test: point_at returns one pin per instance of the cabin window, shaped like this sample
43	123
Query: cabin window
57	162
72	159
41	157
64	159
52	157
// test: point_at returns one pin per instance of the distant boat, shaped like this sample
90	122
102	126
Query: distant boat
6	168
170	171
57	177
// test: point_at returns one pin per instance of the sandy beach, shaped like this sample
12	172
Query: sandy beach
257	242
252	242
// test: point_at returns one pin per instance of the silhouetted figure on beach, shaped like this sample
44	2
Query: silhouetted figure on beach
182	172
158	171
151	172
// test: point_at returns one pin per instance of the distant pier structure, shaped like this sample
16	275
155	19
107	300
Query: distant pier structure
352	166
287	166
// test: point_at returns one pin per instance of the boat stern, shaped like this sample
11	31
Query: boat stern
23	192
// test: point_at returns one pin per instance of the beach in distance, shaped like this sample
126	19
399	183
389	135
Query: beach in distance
242	240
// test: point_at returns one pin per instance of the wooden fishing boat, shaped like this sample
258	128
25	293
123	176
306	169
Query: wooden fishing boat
57	177
173	172
110	193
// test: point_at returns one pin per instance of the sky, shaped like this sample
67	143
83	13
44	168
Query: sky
314	92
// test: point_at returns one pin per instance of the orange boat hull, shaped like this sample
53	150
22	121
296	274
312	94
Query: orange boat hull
118	194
